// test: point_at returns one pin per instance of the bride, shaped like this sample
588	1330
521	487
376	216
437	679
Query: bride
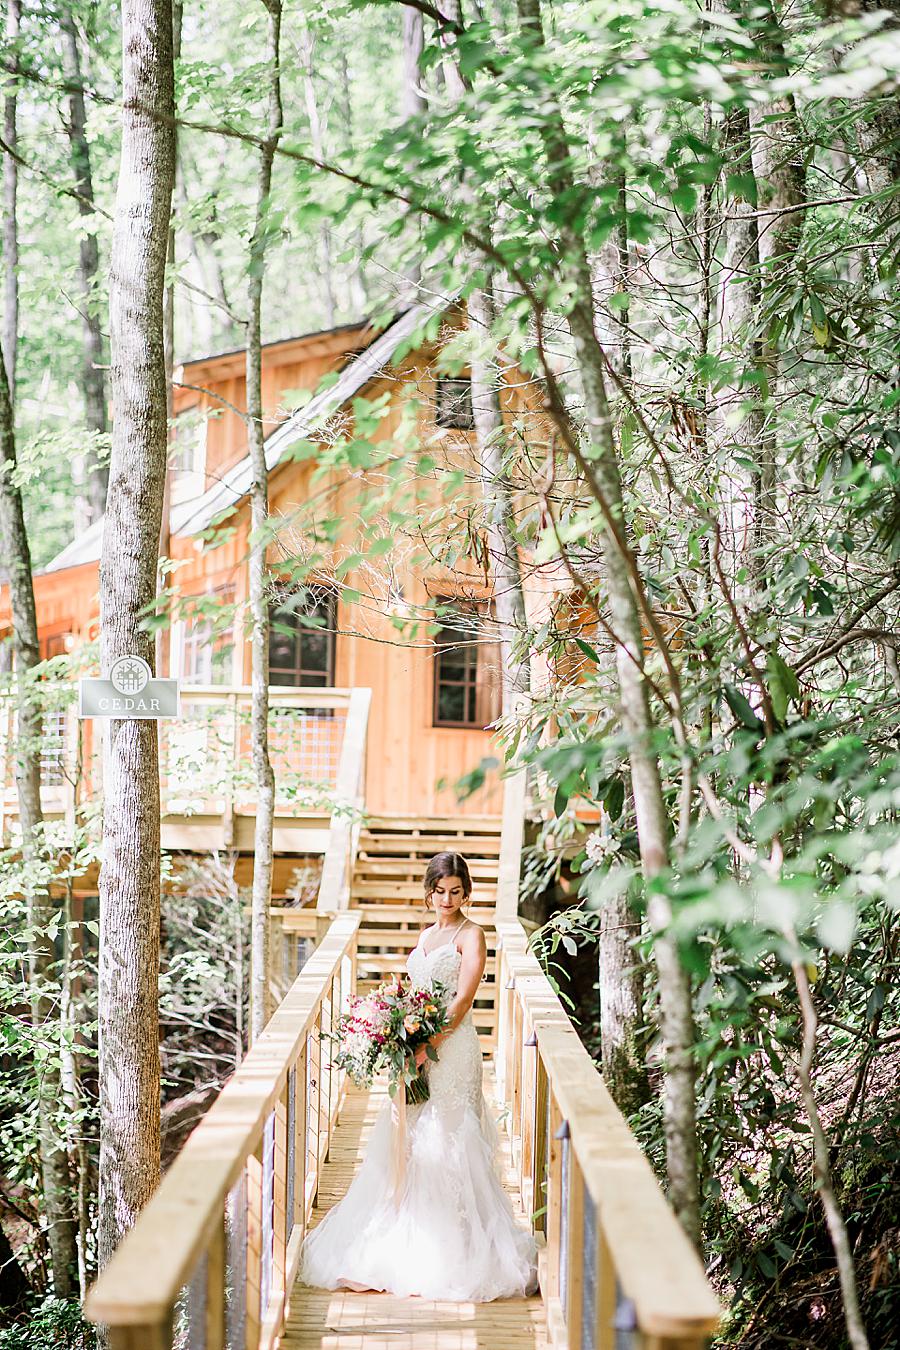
448	1230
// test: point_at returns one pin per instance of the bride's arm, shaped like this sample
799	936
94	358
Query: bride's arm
471	970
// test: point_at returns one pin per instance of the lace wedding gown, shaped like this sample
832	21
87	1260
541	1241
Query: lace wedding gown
452	1233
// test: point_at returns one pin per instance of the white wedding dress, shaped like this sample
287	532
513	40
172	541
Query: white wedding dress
452	1233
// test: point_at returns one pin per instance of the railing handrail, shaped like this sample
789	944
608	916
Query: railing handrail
655	1263
157	1257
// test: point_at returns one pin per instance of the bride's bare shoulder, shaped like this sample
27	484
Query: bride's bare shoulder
472	935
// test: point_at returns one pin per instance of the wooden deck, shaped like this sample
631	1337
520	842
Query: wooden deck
346	1321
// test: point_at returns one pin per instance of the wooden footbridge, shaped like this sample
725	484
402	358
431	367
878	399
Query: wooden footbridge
211	1262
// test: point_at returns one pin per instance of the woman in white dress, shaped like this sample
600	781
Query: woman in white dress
448	1231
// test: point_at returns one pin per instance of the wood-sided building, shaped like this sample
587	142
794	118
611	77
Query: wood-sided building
433	694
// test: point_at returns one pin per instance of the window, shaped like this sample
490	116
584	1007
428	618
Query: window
187	454
301	638
467	685
453	403
207	645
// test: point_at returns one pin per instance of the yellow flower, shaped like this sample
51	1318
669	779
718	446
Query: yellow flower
411	1024
429	1010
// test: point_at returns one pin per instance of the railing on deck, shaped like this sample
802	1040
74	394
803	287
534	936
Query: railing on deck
617	1271
205	759
213	1255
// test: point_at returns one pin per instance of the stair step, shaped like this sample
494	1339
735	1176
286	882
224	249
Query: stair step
407	890
479	868
481	846
417	916
437	824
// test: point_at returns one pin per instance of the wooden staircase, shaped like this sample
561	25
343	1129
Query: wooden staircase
386	886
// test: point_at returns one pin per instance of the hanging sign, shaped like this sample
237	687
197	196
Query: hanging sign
130	692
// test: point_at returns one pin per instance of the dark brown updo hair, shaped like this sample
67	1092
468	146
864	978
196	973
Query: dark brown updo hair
447	865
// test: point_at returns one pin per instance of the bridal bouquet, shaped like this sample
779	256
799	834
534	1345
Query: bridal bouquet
382	1030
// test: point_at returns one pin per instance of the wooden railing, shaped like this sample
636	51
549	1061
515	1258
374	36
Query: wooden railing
617	1270
206	780
213	1255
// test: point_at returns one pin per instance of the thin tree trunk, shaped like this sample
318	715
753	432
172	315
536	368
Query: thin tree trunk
317	141
259	513
93	375
738	302
130	875
621	1005
600	466
775	141
10	333
414	103
497	495
55	1178
164	633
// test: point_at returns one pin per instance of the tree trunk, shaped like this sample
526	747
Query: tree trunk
93	376
599	464
318	146
10	333
413	45
621	1005
738	301
775	144
55	1178
130	874
259	514
497	494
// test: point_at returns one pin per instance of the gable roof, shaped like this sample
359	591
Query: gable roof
199	514
196	515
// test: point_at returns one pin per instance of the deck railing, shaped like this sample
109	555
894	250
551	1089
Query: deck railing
617	1271
212	1257
205	761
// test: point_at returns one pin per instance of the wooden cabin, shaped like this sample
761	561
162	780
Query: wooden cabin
433	694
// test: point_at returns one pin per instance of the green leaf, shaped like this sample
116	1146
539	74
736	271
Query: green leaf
588	650
742	709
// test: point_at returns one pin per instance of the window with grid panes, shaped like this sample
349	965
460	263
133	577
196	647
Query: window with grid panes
453	403
207	650
467	686
301	639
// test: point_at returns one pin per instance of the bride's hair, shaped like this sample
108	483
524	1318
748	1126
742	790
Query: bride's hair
447	865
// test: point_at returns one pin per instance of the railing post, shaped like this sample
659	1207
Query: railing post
280	1218
301	1154
541	1143
554	1205
215	1288
575	1252
253	1274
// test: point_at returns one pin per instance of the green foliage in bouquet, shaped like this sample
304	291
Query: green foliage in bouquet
382	1030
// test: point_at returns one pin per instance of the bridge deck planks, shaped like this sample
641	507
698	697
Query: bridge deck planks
323	1320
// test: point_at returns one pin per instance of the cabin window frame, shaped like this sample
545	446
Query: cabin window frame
478	656
453	407
198	635
329	595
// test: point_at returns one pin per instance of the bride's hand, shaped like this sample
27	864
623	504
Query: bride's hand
421	1056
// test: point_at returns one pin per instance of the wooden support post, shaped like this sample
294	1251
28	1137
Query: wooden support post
216	1320
606	1292
312	1137
515	1087
541	1144
554	1202
301	1147
526	1161
280	1220
575	1258
254	1248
